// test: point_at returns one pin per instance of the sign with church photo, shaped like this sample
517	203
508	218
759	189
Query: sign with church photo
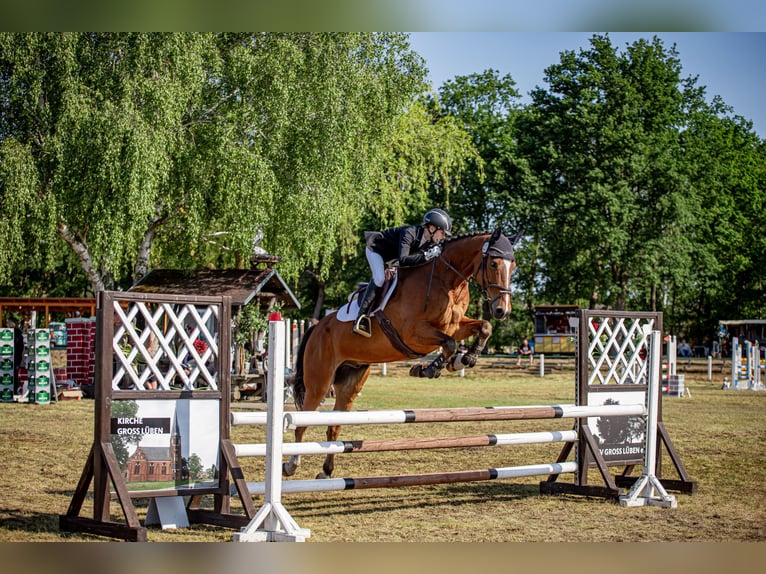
159	448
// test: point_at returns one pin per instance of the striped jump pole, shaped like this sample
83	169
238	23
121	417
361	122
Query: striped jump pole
349	446
440	415
328	484
443	415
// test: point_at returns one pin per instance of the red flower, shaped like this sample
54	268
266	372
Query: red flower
200	346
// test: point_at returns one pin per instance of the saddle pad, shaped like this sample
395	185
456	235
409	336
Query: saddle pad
350	310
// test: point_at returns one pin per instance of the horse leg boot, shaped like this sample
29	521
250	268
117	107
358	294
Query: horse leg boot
432	371
363	325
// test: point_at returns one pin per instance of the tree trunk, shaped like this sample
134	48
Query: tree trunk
319	302
81	250
145	249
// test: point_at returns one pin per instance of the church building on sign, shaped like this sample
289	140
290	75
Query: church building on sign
157	463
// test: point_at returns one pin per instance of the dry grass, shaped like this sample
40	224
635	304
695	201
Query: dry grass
720	435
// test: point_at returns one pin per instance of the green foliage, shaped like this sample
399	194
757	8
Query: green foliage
136	149
124	152
249	321
613	204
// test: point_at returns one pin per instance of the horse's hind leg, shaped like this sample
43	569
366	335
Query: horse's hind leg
312	399
348	383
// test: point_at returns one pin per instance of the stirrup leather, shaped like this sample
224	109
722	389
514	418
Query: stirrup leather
363	326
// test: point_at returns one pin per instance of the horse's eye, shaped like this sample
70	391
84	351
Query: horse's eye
493	264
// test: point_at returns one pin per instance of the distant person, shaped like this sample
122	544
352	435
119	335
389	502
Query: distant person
18	357
684	350
526	350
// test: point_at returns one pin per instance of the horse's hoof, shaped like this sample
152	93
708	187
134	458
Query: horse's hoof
416	370
288	469
434	374
321	476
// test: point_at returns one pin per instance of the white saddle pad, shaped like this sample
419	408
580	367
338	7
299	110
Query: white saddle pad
350	310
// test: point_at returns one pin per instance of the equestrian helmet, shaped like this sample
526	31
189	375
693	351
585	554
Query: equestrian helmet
440	219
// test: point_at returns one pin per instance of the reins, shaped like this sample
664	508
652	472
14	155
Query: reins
457	272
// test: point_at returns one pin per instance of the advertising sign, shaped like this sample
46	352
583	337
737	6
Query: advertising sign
620	438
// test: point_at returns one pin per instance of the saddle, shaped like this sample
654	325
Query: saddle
350	310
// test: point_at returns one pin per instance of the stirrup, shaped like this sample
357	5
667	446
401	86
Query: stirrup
362	326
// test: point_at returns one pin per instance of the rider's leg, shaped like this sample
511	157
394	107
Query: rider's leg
362	324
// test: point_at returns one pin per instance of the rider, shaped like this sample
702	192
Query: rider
403	246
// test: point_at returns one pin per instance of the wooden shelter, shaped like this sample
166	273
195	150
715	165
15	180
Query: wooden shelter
242	285
46	306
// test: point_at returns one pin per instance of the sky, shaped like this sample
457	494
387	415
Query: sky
732	65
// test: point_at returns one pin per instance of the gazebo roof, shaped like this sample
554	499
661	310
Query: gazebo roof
242	285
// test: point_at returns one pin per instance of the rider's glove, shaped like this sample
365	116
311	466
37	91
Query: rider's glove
433	252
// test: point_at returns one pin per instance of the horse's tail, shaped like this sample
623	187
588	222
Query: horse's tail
299	388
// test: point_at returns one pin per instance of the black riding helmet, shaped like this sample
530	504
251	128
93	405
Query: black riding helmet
440	219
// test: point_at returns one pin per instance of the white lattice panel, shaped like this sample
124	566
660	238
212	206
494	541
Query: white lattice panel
617	350
177	347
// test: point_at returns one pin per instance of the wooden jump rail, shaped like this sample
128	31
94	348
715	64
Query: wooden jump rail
470	414
329	484
344	447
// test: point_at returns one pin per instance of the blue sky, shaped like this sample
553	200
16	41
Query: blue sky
732	65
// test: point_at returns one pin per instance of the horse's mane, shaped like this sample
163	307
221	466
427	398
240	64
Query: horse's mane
465	235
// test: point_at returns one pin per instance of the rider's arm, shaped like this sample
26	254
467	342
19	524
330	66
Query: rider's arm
410	249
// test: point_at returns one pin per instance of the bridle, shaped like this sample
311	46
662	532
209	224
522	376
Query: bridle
489	248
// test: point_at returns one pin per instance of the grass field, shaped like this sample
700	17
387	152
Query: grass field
720	436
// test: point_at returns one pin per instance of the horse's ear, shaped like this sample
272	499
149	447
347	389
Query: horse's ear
516	236
497	233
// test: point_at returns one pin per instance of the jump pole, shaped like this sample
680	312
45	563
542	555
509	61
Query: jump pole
329	484
349	446
648	490
443	415
272	523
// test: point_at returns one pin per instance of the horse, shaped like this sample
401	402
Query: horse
426	312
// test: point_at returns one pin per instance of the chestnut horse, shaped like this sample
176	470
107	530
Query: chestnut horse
426	311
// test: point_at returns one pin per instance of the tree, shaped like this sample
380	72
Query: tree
134	149
121	443
426	151
727	163
614	208
495	189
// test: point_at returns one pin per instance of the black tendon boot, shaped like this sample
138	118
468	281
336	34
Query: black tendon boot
362	325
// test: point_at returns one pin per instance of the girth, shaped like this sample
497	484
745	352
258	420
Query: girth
393	336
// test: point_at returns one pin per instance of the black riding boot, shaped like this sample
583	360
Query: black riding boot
362	325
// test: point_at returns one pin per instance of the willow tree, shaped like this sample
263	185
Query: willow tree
143	149
423	162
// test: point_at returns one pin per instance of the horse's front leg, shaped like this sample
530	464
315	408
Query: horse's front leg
482	330
434	370
311	401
